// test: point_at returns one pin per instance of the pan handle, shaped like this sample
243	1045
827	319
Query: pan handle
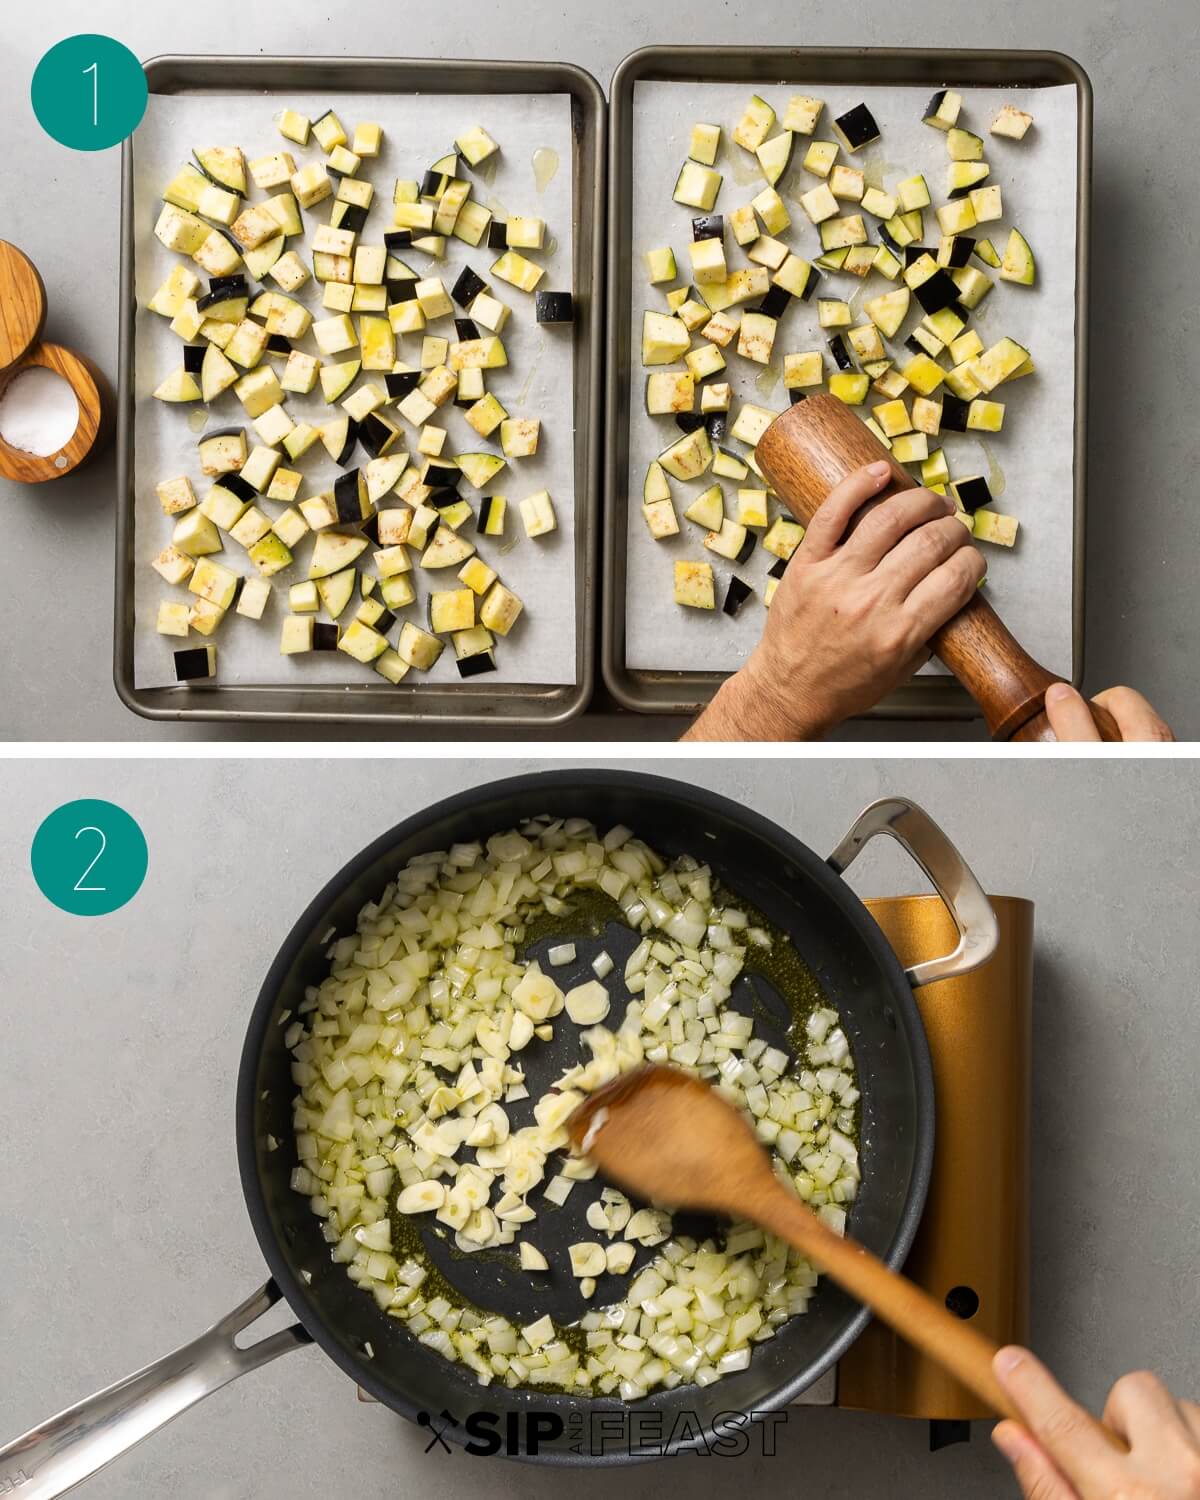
951	876
55	1456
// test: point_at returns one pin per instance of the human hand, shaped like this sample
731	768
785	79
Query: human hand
1070	720
852	614
1061	1452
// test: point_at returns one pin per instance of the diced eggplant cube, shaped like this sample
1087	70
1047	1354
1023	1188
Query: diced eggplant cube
936	292
467	287
554	307
735	596
776	301
971	492
955	413
841	352
856	128
195	662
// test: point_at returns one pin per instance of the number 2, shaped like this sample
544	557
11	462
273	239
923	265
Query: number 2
94	70
79	885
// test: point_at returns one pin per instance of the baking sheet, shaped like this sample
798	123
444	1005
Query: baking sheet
1030	464
538	380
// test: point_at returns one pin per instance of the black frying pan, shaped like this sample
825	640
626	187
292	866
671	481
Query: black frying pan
801	894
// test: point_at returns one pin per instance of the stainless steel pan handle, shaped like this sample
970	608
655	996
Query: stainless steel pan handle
55	1456
950	874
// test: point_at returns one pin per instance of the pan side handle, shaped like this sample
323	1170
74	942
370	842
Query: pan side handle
58	1454
949	873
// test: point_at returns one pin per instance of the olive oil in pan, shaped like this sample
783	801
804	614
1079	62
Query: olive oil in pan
545	165
766	381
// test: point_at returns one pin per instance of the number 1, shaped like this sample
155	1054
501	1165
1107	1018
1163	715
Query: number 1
94	70
79	885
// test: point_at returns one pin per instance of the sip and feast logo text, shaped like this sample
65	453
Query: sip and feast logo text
488	1434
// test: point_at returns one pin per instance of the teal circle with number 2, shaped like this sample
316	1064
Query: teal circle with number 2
89	92
89	857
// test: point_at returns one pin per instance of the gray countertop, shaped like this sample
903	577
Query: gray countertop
62	207
124	1228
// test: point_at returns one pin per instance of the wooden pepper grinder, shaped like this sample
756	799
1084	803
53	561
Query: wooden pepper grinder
22	318
810	449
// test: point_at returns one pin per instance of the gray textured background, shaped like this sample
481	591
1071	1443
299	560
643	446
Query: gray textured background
57	560
124	1229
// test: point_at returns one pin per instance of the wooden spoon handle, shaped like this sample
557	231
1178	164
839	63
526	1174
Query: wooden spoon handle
810	449
926	1324
958	1347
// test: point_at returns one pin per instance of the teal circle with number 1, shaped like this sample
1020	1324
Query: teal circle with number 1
89	92
89	857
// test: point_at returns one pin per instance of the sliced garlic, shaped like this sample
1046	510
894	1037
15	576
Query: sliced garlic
537	996
532	1258
587	1258
587	1004
619	1258
421	1197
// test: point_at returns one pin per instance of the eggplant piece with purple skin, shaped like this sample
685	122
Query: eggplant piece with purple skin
401	382
841	353
215	295
936	292
857	127
689	421
466	330
892	243
376	435
973	493
193	357
194	663
709	227
717	426
735	596
554	307
476	665
325	637
962	247
795	396
402	291
236	485
485	512
954	412
814	280
497	235
349	438
778	568
350	497
913	253
467	287
398	239
747	549
776	302
354	218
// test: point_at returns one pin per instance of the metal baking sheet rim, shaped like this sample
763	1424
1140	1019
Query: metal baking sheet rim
645	691
433	705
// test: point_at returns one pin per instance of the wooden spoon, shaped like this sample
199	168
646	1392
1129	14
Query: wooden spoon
672	1139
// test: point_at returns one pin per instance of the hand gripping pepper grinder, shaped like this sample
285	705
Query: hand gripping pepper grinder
810	449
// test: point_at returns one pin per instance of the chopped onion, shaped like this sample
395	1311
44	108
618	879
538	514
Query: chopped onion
406	1056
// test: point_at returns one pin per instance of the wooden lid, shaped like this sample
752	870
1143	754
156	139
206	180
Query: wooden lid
22	305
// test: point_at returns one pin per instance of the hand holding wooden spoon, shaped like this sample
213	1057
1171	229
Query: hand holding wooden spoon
670	1138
